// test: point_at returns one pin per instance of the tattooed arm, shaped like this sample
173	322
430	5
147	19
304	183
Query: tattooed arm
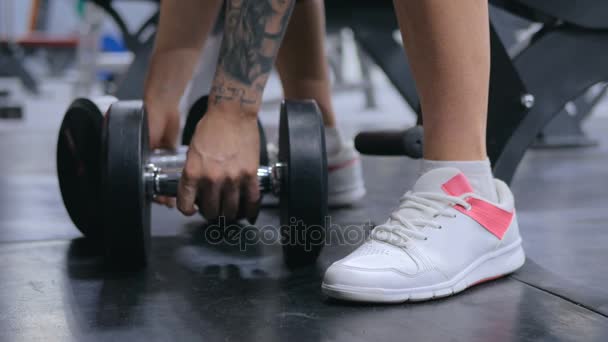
252	36
221	168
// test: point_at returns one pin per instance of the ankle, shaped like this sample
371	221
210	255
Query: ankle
478	172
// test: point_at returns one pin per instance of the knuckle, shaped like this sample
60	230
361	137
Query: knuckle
190	172
212	177
249	175
233	178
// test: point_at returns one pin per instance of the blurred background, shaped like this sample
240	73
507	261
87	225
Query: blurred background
548	120
56	50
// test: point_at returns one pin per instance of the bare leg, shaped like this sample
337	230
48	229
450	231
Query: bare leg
301	61
304	71
448	45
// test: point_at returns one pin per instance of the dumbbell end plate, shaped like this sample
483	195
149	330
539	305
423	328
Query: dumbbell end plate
78	166
304	182
126	209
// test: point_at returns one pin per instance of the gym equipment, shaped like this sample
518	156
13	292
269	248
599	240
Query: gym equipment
390	143
140	42
198	109
11	65
108	198
563	60
78	148
565	130
130	178
78	164
9	109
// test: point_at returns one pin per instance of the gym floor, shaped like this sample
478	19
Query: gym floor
53	288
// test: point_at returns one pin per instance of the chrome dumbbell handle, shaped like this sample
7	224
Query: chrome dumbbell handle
168	158
164	180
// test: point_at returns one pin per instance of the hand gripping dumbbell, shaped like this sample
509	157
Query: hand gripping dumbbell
131	177
198	109
79	165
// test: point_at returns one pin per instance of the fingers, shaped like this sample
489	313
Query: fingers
230	200
164	126
250	198
168	202
171	131
232	197
186	192
156	133
210	194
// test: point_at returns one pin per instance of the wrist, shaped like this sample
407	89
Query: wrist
236	109
232	112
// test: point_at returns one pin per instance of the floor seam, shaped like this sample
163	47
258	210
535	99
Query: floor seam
560	296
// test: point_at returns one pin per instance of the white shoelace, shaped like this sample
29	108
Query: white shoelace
399	230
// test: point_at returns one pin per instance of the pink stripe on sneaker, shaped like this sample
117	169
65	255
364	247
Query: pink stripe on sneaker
492	218
342	165
457	186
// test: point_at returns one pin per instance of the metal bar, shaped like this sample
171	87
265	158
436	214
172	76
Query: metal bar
165	182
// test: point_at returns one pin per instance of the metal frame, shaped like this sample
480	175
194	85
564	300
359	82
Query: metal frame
565	129
11	66
130	86
557	68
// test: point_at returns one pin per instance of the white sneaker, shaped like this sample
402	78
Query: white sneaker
442	239
344	175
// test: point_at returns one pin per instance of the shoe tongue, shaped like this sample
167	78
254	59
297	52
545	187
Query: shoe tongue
447	180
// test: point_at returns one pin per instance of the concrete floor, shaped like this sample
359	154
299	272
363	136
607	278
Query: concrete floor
53	288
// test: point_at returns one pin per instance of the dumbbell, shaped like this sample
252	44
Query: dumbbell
78	163
130	178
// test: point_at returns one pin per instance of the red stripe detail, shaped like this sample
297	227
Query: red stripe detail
492	218
457	186
342	165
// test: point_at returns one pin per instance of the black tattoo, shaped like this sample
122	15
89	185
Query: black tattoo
249	49
223	93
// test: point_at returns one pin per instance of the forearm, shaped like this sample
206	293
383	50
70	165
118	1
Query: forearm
253	33
182	31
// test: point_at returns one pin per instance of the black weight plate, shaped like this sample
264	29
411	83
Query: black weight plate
304	184
126	209
198	109
78	167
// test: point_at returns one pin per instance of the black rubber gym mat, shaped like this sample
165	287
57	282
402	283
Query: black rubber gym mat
193	291
54	289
